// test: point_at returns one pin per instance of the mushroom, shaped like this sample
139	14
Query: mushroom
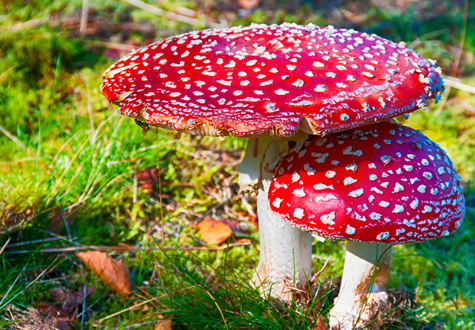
375	186
271	84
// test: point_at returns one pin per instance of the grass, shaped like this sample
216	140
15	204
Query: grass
68	161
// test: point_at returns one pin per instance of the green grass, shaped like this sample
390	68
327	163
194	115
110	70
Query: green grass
73	155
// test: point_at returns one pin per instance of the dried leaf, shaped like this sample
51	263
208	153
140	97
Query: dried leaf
248	4
320	325
63	296
163	324
147	179
214	231
114	273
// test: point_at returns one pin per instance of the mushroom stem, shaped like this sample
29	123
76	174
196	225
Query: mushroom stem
285	251
363	286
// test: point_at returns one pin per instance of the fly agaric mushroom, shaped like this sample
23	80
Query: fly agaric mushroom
269	83
375	186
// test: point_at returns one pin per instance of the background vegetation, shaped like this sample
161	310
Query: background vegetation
73	174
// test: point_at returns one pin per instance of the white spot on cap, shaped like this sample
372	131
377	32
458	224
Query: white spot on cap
383	204
321	186
295	177
298	213
330	174
327	219
427	209
350	230
321	141
427	175
398	188
299	192
281	91
347	150
383	236
373	177
414	204
421	188
375	216
276	203
398	209
408	168
325	199
320	88
318	64
298	83
310	171
356	193
349	180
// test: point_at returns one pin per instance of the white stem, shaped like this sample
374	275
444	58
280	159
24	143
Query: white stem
363	286
285	250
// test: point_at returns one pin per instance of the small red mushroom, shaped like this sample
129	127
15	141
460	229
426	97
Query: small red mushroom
271	83
383	183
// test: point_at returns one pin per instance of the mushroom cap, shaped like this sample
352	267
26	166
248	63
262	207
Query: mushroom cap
381	183
246	81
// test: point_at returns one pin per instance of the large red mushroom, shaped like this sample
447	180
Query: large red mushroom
272	84
375	186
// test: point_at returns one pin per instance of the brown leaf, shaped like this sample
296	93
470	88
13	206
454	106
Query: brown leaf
320	325
114	273
214	231
163	324
147	179
61	295
248	4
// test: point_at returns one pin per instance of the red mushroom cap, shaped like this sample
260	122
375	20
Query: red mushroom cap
381	183
246	81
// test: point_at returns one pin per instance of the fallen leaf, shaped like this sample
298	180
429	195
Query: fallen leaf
163	324
248	4
147	179
114	273
320	325
214	231
63	296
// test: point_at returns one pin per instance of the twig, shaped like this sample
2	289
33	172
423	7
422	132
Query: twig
214	207
139	324
39	276
5	245
136	186
15	139
456	63
169	15
25	25
317	274
35	241
455	83
84	17
113	45
128	249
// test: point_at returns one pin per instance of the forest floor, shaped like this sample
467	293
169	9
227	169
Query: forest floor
76	177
